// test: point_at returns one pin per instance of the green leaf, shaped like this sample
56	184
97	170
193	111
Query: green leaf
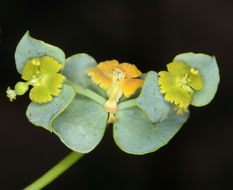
151	101
43	114
75	72
208	69
135	134
29	48
82	125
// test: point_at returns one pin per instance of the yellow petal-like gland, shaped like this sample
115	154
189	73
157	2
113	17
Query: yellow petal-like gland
49	65
166	81
130	70
177	68
179	97
40	94
99	77
129	86
29	69
195	80
54	83
108	66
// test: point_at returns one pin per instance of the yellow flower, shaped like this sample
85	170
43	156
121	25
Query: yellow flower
117	80
42	74
178	85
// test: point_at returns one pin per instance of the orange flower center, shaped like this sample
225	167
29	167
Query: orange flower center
117	80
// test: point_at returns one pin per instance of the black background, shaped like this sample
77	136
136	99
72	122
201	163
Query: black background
148	34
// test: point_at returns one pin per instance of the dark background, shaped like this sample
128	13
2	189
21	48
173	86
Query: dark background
148	34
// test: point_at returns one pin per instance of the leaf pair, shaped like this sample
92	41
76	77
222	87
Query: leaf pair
77	116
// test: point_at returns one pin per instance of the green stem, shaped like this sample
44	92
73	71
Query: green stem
56	171
86	92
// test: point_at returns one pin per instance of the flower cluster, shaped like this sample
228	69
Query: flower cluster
117	80
178	85
95	95
42	74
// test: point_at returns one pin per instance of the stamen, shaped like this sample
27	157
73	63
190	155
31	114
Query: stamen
184	83
11	94
118	74
36	80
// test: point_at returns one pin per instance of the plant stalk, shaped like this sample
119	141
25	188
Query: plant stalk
56	171
86	92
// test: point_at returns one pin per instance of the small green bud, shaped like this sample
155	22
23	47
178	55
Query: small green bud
21	88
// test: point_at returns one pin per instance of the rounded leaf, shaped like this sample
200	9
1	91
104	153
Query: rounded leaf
29	48
151	101
135	134
82	125
43	114
76	72
208	69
